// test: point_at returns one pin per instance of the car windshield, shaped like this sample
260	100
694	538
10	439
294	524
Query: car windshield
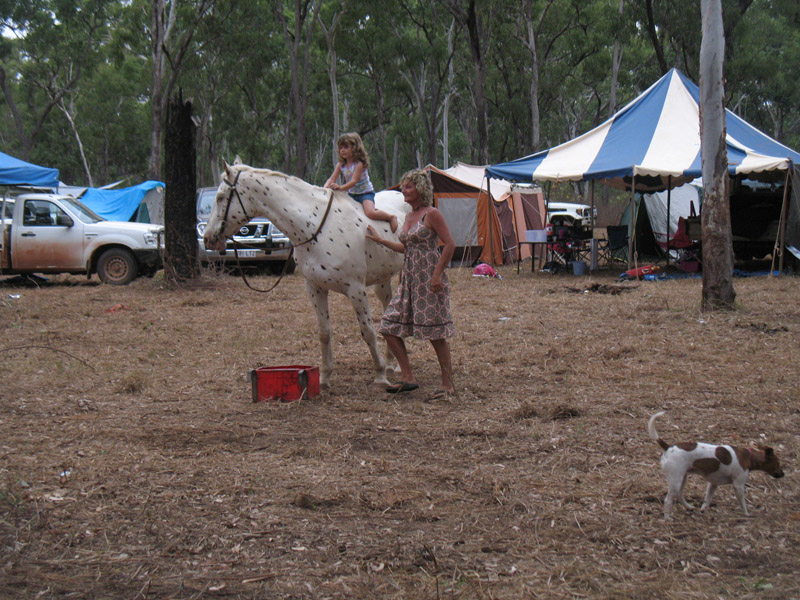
205	203
83	212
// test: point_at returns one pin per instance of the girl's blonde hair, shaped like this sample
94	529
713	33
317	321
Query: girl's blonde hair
422	181
354	141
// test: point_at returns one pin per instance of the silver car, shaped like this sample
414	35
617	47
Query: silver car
258	243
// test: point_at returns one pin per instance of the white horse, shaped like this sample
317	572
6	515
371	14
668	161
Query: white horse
327	229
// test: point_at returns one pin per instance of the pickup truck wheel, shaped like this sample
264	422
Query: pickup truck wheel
117	266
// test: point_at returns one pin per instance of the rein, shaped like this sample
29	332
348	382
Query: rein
313	238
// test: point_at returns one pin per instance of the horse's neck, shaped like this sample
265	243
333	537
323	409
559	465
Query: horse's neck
294	206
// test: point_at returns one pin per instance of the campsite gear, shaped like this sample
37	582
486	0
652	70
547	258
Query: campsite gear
578	267
640	272
286	384
616	150
484	270
691	265
14	171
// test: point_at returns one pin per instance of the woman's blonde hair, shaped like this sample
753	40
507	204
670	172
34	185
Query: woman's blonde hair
422	181
354	141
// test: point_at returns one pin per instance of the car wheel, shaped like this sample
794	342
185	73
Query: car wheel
117	266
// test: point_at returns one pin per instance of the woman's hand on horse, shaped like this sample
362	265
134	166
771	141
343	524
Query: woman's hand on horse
372	234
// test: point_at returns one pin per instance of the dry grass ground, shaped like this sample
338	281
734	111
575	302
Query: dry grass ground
133	463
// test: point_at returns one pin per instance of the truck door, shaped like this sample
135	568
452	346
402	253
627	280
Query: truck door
48	239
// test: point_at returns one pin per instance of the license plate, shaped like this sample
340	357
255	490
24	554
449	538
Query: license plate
248	253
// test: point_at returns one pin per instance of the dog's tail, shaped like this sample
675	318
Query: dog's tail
651	428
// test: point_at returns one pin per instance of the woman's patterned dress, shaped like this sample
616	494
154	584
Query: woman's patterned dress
415	310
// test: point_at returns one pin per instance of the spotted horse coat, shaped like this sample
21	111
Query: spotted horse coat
338	259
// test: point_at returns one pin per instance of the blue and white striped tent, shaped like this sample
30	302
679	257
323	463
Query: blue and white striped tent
656	139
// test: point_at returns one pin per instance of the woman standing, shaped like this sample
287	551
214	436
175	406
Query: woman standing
420	306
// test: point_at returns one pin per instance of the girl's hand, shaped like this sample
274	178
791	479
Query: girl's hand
332	186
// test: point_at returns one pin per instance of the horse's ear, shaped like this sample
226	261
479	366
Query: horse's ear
227	168
237	160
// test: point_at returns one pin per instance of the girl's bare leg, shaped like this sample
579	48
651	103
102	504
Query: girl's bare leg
379	215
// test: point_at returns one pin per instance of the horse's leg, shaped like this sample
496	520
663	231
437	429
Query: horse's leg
360	301
319	298
384	292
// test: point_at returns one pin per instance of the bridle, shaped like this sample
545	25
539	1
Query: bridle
312	239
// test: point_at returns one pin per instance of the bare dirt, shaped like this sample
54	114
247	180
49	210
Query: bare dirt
134	464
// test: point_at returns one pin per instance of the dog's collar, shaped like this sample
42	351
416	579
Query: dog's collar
752	456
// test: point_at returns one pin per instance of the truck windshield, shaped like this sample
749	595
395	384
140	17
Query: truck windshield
83	212
205	202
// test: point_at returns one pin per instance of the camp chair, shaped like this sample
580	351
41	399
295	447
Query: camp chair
615	247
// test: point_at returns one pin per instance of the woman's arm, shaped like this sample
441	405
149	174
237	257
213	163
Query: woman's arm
331	183
434	220
357	173
397	246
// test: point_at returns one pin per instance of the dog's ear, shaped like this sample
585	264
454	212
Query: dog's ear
769	452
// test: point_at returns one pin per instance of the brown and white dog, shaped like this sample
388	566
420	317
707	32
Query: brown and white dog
719	465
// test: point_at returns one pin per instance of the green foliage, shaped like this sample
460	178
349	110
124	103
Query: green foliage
92	59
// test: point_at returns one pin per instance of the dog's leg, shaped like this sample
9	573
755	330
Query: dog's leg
680	493
709	494
674	490
738	489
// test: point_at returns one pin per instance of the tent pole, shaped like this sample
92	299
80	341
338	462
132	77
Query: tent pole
669	202
631	220
780	242
491	221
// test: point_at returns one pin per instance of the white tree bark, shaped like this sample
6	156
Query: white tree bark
717	245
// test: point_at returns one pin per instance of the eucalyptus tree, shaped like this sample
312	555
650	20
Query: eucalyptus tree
172	28
238	79
56	44
298	19
330	24
476	17
718	289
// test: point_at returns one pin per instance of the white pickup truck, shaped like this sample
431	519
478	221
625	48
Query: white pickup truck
50	233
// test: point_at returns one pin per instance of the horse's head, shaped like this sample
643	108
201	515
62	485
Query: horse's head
228	213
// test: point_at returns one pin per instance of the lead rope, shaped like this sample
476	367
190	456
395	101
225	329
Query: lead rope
313	238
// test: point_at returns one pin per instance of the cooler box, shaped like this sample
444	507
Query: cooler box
284	384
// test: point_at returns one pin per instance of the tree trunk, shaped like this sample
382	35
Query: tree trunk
478	41
77	135
180	214
616	59
298	43
330	42
652	32
158	39
718	289
449	93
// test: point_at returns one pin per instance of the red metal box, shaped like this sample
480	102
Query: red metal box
285	384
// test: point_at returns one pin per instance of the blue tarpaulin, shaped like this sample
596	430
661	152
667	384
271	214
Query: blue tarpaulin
118	205
14	171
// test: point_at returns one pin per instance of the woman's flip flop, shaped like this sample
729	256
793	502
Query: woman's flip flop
401	387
